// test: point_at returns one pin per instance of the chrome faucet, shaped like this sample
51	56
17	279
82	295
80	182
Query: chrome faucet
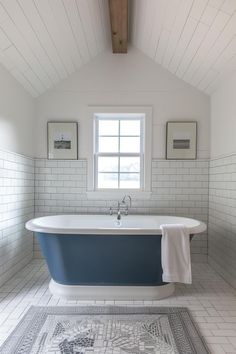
122	207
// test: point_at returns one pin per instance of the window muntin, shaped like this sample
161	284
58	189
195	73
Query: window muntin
118	153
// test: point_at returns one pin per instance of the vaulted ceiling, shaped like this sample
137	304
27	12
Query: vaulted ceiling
194	39
45	41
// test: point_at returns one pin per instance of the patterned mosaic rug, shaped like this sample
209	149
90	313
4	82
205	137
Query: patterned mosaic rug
105	330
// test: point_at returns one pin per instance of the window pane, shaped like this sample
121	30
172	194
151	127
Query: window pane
130	127
107	180
129	164
107	164
108	127
130	180
108	144
129	144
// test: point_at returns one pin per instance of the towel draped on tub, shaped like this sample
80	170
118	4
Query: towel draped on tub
175	254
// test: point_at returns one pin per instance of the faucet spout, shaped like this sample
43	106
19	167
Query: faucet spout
129	198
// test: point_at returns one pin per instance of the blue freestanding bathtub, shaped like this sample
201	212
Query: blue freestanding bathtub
95	256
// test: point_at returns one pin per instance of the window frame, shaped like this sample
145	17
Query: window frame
109	194
124	117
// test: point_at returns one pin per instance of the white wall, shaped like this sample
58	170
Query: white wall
223	119
16	207
16	116
16	175
179	187
222	181
131	79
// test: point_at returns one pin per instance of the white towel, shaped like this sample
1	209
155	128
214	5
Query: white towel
175	254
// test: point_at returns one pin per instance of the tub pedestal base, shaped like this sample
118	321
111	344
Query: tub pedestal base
81	292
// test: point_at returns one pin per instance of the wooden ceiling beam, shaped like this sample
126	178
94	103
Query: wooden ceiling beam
119	25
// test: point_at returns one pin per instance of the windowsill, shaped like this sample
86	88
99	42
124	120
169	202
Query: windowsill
112	194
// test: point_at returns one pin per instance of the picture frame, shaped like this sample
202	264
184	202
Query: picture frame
62	140
181	140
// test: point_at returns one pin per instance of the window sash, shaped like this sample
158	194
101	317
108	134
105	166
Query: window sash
141	173
98	154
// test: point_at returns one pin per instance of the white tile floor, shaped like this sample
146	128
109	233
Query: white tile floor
210	299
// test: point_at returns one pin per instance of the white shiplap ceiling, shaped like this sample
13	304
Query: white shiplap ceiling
45	41
194	39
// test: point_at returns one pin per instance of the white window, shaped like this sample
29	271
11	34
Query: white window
119	151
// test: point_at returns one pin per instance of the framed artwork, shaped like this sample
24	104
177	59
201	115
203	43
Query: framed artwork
181	140
63	140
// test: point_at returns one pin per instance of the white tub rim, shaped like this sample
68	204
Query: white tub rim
36	225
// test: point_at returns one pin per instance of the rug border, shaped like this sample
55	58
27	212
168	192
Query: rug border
197	340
